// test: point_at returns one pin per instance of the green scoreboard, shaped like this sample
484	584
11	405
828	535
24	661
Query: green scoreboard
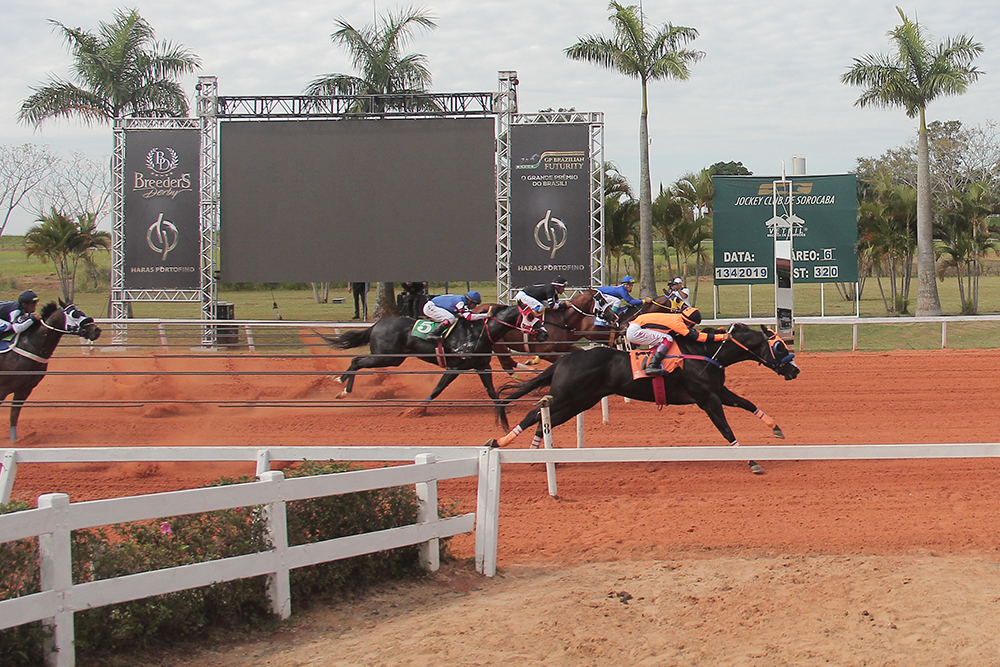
824	215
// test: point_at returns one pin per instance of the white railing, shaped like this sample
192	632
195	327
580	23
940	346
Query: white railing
55	519
247	326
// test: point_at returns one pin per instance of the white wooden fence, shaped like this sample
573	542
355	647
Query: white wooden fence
56	517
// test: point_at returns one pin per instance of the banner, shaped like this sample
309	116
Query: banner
824	230
550	228
161	202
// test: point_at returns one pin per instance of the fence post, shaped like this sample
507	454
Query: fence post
944	334
8	470
427	512
579	431
279	588
263	462
854	342
163	336
488	512
250	344
605	410
550	467
56	574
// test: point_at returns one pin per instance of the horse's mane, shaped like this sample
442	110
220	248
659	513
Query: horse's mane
48	309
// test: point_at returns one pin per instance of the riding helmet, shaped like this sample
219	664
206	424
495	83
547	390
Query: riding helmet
559	280
627	279
473	297
27	296
692	315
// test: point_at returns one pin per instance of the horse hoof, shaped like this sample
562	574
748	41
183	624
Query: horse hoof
778	433
342	394
755	468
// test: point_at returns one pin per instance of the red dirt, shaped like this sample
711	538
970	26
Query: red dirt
813	563
604	511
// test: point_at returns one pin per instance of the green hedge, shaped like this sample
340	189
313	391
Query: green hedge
114	551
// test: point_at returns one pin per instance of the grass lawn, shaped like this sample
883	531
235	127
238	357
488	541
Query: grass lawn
19	272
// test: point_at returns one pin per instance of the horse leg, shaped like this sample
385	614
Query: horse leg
486	377
16	404
446	379
367	361
712	406
736	401
533	417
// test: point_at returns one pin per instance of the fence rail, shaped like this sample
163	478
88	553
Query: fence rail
55	519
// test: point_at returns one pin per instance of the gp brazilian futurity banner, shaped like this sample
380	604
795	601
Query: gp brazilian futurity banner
823	241
550	203
162	237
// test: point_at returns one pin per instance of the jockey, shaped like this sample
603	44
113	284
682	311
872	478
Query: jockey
617	295
660	329
676	289
16	316
446	308
532	301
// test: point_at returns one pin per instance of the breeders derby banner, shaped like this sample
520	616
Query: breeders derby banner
162	237
550	204
823	241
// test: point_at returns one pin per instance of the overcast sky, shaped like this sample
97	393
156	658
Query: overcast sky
767	89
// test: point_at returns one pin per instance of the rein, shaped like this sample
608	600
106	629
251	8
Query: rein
760	359
56	329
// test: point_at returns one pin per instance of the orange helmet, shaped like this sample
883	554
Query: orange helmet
691	314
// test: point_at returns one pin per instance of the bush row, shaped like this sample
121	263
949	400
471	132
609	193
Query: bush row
119	550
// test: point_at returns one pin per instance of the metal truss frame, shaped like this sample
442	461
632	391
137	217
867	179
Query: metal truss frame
508	117
121	298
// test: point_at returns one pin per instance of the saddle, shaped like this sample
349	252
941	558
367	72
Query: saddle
673	361
423	328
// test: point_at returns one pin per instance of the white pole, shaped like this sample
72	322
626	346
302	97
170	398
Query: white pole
550	467
605	410
579	431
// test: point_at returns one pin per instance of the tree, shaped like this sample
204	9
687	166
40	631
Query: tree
376	52
729	169
646	55
120	71
76	184
22	169
965	236
621	217
911	78
65	242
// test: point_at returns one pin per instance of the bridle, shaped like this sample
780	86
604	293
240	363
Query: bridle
773	341
514	326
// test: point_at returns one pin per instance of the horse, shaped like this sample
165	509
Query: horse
465	348
581	379
23	364
564	326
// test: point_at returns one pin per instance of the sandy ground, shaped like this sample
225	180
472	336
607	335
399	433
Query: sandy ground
842	563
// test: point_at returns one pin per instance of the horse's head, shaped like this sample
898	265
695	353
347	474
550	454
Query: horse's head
767	348
67	318
511	317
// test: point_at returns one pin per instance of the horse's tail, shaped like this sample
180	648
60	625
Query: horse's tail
515	390
349	339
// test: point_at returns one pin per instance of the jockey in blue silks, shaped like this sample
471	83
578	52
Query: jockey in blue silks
618	296
446	308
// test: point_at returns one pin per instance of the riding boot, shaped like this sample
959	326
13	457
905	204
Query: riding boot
652	364
438	332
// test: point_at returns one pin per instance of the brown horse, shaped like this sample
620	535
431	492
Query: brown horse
565	327
24	363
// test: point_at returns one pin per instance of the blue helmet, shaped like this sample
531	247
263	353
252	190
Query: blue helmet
474	297
628	279
27	296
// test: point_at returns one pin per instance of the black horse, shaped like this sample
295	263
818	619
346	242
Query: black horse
23	364
467	347
581	379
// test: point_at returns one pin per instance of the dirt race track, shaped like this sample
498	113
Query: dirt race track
844	563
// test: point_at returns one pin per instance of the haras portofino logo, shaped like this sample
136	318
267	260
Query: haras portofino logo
160	180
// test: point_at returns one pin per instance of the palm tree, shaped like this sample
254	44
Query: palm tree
376	51
65	242
911	78
91	240
120	71
646	55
